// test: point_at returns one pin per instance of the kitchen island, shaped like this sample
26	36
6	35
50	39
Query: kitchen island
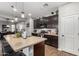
18	44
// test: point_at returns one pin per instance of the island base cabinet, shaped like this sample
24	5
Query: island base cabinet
39	49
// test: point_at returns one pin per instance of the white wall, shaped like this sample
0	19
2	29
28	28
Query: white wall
23	25
69	9
31	24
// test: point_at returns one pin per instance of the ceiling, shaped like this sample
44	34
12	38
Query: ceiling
37	9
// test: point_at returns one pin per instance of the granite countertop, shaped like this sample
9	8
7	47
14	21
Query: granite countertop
53	34
18	44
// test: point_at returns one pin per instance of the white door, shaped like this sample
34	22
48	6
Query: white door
61	34
76	34
69	33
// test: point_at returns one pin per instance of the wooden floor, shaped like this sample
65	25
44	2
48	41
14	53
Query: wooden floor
51	51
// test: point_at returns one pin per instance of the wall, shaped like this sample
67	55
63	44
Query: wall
31	24
69	9
23	25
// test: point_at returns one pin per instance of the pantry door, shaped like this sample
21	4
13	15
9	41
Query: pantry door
69	33
76	34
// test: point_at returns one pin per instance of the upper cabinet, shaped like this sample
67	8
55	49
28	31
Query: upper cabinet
46	22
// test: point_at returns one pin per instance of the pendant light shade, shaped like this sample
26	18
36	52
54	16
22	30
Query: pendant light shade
29	14
14	9
22	14
7	23
12	21
16	19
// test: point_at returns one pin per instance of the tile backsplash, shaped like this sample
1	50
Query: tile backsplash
52	30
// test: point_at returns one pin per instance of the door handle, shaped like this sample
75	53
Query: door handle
62	35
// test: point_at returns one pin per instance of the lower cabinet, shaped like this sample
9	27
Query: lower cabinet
39	49
51	40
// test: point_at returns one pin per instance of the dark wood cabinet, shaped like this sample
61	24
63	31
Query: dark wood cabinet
51	40
39	49
47	22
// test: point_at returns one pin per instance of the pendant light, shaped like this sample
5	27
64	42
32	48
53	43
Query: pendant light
22	13
45	5
7	23
14	9
12	21
30	14
16	19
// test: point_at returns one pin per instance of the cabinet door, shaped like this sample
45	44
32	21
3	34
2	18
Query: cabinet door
69	33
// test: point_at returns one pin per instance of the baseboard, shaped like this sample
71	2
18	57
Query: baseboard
60	49
72	52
